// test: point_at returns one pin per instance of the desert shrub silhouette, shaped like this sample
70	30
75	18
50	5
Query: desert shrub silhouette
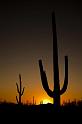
55	94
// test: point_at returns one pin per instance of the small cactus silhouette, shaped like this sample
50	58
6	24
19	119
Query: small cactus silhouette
34	101
55	94
19	90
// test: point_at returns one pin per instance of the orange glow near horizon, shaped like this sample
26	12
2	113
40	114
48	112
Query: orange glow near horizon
28	98
8	93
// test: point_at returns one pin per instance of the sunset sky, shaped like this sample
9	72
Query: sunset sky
26	37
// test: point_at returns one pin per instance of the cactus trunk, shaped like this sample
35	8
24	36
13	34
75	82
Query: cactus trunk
55	64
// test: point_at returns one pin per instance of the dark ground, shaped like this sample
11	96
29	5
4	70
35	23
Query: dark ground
40	113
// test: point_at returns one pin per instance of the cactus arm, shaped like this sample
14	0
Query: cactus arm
17	99
44	80
20	82
66	77
22	91
20	77
45	85
17	88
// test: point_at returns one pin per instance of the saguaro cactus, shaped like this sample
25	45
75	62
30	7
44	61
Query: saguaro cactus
19	90
55	94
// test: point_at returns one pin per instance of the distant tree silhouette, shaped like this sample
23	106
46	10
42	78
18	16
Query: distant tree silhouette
55	94
19	90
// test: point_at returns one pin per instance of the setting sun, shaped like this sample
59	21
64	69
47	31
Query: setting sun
45	101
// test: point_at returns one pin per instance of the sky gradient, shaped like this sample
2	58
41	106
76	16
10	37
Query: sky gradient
26	37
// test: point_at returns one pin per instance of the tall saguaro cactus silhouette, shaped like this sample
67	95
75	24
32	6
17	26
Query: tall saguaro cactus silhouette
19	90
55	94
